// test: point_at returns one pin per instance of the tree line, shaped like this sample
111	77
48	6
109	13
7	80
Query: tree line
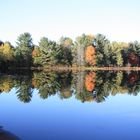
86	50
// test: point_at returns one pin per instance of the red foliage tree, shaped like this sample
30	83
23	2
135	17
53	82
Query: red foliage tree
133	58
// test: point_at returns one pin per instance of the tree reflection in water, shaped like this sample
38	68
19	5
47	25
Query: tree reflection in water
85	86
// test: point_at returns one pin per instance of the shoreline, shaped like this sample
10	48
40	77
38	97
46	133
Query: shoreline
82	68
76	68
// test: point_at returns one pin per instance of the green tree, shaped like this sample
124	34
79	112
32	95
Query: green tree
47	53
103	50
116	56
65	55
23	52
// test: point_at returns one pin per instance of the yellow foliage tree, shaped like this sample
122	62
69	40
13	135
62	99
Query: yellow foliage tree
7	51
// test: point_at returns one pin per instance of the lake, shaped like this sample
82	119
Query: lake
70	105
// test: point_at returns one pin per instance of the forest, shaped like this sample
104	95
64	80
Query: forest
85	50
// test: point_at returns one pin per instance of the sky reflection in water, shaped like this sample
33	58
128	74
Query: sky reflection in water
59	118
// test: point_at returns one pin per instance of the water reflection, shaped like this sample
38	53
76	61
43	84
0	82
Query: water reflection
84	86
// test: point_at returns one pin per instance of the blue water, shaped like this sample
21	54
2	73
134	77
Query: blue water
55	119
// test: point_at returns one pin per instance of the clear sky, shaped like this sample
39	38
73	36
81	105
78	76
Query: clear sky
118	19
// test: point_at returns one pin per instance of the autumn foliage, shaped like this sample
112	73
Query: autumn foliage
133	58
90	81
90	55
35	53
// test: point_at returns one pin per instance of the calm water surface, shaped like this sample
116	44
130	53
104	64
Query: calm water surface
60	106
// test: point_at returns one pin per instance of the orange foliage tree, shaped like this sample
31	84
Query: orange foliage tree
90	55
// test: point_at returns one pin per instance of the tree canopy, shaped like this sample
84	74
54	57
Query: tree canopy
86	50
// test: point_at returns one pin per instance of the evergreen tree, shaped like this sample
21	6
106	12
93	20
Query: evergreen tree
23	52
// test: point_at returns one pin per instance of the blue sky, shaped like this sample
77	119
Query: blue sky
119	20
